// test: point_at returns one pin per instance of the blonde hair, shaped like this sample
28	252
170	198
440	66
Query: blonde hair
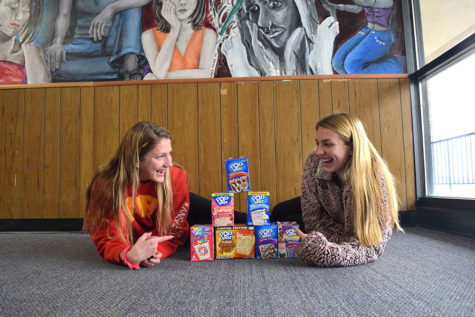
108	188
370	179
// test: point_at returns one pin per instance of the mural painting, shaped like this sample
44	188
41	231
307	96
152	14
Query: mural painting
94	40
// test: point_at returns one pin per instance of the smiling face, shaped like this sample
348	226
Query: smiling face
332	150
13	16
276	19
184	8
156	162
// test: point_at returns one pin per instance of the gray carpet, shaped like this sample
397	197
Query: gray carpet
422	273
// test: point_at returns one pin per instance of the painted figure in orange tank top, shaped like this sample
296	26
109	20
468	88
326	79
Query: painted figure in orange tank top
179	46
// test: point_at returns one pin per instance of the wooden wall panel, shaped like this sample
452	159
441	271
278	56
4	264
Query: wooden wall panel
229	130
128	97
144	102
106	123
53	139
288	140
340	99
33	132
69	153
309	113
158	104
183	123
391	132
248	139
364	103
11	160
267	140
209	140
86	144
51	152
325	95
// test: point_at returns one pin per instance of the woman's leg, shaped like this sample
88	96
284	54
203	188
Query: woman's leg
289	210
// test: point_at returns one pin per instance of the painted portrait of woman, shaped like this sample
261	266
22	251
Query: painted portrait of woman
179	46
21	61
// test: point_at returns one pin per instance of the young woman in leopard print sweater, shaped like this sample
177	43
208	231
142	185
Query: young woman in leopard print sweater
348	201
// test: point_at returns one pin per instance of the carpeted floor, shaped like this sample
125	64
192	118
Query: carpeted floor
422	273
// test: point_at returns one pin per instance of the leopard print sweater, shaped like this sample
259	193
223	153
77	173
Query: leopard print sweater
327	215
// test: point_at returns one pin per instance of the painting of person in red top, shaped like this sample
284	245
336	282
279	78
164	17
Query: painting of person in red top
21	61
179	46
138	201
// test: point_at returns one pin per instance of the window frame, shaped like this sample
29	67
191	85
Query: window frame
450	214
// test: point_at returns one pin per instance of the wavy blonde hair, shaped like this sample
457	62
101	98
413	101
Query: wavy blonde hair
370	179
108	189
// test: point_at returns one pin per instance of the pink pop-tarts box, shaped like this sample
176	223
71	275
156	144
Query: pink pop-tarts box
202	243
222	209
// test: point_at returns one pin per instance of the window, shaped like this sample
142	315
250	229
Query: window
444	87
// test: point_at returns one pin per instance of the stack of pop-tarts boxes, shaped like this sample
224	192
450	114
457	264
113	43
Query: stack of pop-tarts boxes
256	239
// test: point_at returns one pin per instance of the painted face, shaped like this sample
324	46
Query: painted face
276	19
184	8
332	150
155	163
13	16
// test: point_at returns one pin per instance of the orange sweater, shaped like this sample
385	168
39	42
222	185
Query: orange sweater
191	58
143	220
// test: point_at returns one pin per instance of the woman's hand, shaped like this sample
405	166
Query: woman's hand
151	261
300	233
145	248
169	13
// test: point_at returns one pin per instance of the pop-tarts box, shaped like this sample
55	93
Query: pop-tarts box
266	242
288	239
222	209
237	171
201	243
235	242
258	208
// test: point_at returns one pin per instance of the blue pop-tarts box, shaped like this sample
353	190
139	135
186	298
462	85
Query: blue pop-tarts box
237	171
266	242
258	208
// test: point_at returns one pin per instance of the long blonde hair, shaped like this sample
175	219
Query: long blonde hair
370	179
108	188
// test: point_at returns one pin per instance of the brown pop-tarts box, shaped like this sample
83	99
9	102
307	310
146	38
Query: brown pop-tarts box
234	242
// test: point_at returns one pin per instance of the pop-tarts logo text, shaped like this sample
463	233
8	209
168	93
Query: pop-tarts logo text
226	235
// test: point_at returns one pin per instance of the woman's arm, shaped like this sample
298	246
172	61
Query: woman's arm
98	24
37	71
316	250
206	59
55	52
160	59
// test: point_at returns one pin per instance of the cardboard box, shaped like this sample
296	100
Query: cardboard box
237	171
235	242
222	209
258	208
201	243
266	242
288	240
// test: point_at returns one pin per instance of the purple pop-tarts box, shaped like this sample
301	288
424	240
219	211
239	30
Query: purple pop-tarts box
266	242
237	171
288	239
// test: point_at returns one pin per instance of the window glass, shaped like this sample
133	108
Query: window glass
445	24
450	136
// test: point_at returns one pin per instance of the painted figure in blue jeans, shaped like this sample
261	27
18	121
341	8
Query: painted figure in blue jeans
106	43
366	52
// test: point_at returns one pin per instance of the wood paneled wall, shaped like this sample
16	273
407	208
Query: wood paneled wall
53	138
